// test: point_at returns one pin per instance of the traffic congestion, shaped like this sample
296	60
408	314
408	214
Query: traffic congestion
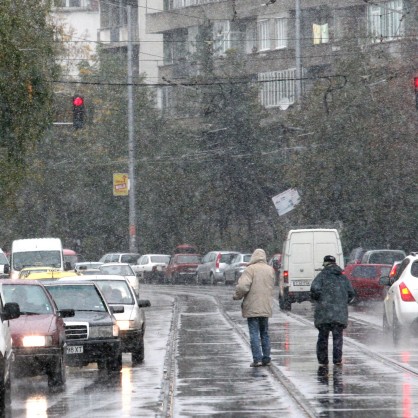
64	319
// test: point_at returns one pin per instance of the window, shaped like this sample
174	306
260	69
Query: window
221	36
281	32
263	35
277	88
320	34
71	3
385	21
178	4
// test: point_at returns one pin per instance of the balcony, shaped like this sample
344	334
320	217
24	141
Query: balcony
116	37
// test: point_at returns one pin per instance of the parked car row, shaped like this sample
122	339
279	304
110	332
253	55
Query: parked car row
49	322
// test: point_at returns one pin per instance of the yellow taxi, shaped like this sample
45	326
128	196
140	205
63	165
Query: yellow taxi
45	273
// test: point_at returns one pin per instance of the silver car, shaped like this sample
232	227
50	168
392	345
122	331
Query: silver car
213	265
234	270
118	292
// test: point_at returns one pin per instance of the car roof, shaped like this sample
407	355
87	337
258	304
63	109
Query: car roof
115	264
150	255
21	282
92	277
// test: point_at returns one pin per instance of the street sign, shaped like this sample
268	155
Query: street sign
120	184
286	201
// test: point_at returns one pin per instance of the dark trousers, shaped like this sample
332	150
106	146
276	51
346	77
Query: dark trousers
322	344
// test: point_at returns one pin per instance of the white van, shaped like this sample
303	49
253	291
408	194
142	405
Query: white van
302	257
36	252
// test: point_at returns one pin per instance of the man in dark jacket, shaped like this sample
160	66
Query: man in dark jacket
332	292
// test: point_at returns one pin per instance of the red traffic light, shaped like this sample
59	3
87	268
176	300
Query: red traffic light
78	101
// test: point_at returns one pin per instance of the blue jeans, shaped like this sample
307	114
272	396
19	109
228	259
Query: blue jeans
259	330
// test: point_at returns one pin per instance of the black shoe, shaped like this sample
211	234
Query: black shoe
266	363
256	364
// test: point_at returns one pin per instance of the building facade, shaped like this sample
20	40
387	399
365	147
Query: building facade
281	43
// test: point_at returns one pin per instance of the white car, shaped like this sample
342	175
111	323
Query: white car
151	267
131	321
8	311
122	269
400	311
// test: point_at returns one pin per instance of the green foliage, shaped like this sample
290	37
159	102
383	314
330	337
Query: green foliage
27	69
359	154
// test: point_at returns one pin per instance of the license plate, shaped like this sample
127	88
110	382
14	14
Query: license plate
75	349
301	283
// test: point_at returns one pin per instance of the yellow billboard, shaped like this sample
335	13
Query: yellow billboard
120	184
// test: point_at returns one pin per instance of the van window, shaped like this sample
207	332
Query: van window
385	257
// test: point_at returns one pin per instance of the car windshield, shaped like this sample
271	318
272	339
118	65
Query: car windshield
36	258
386	257
369	272
116	291
160	259
129	258
118	270
31	299
80	297
185	259
227	258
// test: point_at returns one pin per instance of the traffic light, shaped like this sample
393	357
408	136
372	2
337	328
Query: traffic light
78	112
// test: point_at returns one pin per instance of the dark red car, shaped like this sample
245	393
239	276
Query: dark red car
182	268
365	280
38	335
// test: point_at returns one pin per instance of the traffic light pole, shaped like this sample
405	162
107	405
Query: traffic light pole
131	142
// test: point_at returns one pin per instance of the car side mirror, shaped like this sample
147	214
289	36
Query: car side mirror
11	310
144	303
66	313
385	281
67	266
117	309
6	269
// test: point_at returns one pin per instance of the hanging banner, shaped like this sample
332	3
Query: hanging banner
286	201
120	184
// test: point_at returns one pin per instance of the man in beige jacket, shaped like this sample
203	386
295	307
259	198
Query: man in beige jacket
256	286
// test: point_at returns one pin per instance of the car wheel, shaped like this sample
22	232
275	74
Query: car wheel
56	372
138	353
397	329
386	326
5	392
114	364
284	302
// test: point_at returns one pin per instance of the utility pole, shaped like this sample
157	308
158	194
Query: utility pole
298	86
131	142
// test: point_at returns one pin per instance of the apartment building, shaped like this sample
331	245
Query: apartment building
90	23
277	40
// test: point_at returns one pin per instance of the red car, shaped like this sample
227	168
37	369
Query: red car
365	280
182	268
38	335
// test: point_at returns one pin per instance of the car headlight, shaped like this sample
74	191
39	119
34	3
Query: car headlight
125	325
102	332
37	341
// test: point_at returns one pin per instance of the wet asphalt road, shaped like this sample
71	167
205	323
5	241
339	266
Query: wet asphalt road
197	364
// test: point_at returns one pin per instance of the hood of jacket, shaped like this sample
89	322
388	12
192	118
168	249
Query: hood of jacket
259	255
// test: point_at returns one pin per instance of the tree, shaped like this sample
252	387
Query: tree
27	69
359	152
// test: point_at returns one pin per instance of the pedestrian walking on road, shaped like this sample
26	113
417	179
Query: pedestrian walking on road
256	286
331	291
